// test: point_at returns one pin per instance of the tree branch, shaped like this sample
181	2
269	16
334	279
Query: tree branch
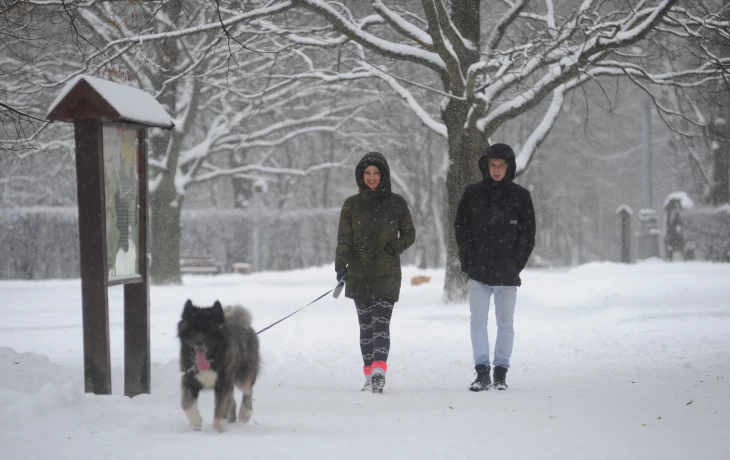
501	27
402	26
379	45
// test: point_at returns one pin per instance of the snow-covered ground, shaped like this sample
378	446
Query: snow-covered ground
611	362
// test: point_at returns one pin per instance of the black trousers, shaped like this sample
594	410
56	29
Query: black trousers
374	318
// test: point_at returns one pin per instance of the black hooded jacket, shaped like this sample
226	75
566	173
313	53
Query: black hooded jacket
495	225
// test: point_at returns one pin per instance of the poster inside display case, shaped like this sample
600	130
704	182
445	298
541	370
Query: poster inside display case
121	185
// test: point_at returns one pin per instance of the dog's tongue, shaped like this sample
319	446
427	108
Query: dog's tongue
201	361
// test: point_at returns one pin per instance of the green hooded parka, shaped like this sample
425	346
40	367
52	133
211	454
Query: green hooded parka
369	221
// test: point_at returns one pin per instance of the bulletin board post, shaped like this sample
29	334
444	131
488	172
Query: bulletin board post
112	194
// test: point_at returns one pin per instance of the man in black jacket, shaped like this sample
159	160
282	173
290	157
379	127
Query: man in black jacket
495	232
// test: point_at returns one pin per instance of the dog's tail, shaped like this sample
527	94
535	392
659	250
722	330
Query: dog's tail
238	316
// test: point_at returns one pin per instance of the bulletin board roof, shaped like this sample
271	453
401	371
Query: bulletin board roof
91	97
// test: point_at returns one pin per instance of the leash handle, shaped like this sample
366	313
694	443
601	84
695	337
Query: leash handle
338	289
295	311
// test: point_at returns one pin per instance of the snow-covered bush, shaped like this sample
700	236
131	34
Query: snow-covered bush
43	242
39	243
288	239
708	228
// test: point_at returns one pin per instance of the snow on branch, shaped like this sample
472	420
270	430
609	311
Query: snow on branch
524	100
248	144
403	26
579	57
216	172
694	25
503	24
403	185
286	124
688	78
20	129
385	47
313	36
212	26
539	134
630	32
451	35
412	103
555	52
140	38
220	133
447	41
661	109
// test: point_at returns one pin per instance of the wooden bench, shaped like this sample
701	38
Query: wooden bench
198	265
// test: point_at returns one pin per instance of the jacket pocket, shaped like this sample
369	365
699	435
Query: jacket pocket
357	266
387	265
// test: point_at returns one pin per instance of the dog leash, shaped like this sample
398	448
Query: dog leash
337	290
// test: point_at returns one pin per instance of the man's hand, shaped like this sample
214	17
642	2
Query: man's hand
388	249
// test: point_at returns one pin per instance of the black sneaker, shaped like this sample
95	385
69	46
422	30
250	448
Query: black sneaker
377	381
500	378
482	381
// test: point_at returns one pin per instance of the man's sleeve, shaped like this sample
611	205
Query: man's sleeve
462	230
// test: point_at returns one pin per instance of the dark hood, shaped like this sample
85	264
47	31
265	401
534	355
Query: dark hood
503	152
374	159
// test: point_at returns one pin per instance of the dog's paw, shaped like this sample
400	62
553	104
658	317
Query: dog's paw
194	418
220	425
244	415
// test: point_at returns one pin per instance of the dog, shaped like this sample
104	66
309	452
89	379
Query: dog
218	349
416	280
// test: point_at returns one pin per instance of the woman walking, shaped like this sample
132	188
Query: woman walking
375	228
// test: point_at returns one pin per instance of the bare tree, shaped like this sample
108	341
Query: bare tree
700	137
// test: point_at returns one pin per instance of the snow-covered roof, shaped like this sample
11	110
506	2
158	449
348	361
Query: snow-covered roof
683	198
644	212
131	104
625	207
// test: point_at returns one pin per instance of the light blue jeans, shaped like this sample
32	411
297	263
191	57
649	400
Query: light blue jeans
505	298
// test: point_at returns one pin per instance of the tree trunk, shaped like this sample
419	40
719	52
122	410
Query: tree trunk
721	162
165	205
165	226
466	145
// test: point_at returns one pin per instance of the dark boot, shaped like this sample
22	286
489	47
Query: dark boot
377	379
500	378
482	381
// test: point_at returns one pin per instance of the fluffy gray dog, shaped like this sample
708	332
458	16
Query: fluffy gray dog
218	349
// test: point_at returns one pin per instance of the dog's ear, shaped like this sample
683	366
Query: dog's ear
188	310
218	312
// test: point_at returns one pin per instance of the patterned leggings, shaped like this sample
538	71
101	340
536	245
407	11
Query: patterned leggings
374	318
